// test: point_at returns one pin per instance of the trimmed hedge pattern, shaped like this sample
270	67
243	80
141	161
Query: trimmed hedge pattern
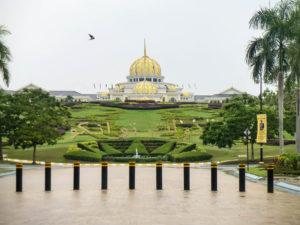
164	149
190	156
136	144
84	155
109	150
128	159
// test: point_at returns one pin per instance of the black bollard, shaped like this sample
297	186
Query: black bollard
270	169
76	175
159	175
214	180
186	176
104	175
19	174
47	176
242	177
131	175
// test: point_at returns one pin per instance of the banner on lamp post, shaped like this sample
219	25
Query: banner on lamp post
261	128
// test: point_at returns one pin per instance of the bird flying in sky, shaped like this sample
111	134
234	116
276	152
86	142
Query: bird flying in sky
91	37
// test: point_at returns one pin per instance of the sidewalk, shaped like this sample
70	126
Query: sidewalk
142	206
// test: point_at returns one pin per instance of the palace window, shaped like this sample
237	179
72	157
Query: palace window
141	79
148	79
154	80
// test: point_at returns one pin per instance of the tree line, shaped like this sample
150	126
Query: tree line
274	57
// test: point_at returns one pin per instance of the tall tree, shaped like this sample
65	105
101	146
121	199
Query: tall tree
5	55
267	55
294	76
4	118
37	119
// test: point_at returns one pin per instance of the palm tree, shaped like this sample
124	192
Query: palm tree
5	56
294	76
267	54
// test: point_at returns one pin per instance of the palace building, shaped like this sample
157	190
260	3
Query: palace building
145	82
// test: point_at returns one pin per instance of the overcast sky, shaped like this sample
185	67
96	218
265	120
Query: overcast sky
200	42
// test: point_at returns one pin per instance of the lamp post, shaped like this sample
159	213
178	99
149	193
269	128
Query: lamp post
260	98
247	134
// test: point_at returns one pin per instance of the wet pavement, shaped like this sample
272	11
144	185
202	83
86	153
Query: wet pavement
142	206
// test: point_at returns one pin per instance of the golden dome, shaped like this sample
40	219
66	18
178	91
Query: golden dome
118	87
172	88
186	94
145	66
104	94
144	88
151	67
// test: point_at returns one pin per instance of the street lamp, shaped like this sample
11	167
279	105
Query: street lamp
247	134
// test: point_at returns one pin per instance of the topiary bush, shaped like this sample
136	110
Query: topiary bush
109	150
184	148
192	156
90	146
136	144
84	155
129	159
164	149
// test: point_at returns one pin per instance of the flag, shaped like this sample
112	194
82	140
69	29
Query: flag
100	86
95	86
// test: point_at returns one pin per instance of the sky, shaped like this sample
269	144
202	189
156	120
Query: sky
198	43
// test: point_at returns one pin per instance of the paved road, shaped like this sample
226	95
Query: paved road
145	205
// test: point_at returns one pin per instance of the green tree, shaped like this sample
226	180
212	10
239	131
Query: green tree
238	115
37	116
5	55
293	80
4	118
267	55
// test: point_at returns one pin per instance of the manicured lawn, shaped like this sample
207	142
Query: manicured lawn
4	170
258	171
143	119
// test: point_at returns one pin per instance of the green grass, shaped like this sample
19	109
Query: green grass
258	171
143	119
4	170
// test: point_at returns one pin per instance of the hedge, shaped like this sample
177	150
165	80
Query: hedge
164	149
84	155
136	144
184	148
190	156
109	150
128	159
90	146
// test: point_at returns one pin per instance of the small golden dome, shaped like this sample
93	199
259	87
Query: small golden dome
104	94
144	88
172	88
145	66
185	94
118	87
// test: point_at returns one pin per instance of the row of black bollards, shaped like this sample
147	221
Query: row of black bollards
159	185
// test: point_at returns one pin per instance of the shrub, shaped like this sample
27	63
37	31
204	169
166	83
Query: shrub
84	155
90	146
136	144
164	149
289	161
190	156
128	159
109	150
73	148
184	148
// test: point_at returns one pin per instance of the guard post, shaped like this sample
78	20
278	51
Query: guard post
186	176
47	176
19	174
270	169
159	175
214	180
242	177
104	175
76	175
131	175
